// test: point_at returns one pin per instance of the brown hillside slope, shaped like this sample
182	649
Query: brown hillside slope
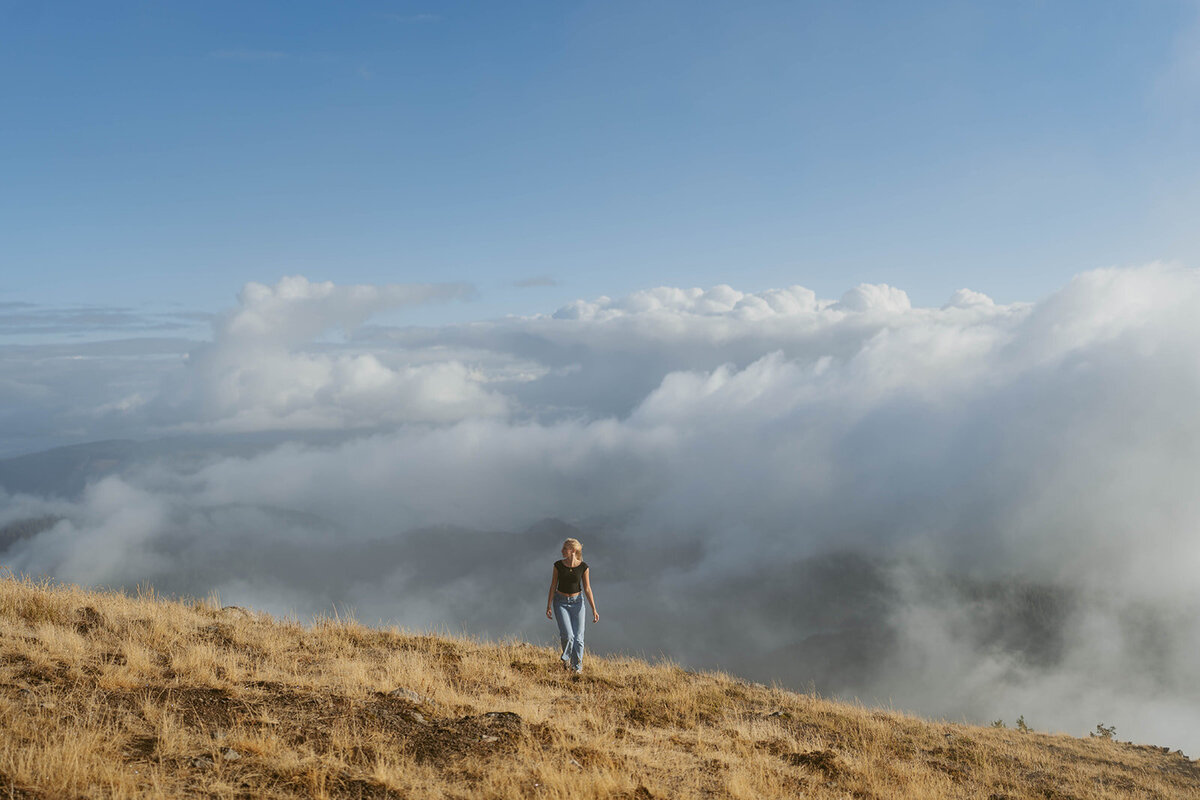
105	695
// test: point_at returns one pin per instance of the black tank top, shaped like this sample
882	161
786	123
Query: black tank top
570	579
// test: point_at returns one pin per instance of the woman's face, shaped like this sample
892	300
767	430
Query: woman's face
568	553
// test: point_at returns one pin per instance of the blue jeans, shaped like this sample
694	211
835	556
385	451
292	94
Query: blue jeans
568	613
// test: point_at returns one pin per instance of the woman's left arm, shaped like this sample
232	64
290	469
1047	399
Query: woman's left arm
587	588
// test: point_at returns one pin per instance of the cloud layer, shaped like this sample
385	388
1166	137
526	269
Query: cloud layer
266	369
978	509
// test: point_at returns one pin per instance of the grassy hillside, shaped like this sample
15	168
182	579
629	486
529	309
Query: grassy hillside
105	695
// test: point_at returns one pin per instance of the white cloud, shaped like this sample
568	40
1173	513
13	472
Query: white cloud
875	297
717	301
965	298
1017	481
296	310
267	368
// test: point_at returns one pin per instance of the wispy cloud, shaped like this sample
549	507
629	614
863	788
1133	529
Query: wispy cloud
22	319
537	280
1177	85
248	55
1014	479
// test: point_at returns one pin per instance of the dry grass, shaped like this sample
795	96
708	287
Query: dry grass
105	695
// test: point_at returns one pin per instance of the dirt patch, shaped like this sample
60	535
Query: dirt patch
445	651
300	718
443	740
141	748
15	660
600	680
198	707
87	619
962	751
203	707
11	791
776	747
38	674
360	789
823	761
527	667
954	771
113	659
649	711
219	633
1120	782
902	748
547	735
740	694
344	785
1053	793
394	714
1044	785
640	793
281	699
954	759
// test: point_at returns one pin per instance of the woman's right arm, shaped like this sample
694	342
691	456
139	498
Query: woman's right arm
550	597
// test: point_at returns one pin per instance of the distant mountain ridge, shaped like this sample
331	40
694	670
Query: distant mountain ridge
66	471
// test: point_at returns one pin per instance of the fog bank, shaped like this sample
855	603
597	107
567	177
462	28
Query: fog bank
975	510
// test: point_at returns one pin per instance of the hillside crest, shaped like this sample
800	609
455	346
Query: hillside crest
107	695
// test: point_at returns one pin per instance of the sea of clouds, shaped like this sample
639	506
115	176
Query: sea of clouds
978	511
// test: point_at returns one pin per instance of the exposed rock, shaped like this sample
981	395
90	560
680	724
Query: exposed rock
409	694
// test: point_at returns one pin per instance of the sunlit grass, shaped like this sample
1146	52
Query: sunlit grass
108	695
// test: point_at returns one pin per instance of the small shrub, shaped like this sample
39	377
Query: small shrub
1104	731
1021	726
998	723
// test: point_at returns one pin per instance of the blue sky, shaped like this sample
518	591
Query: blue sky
157	157
160	155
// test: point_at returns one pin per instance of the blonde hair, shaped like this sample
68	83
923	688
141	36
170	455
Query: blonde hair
574	545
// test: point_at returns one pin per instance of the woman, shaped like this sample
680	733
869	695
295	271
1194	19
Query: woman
565	603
